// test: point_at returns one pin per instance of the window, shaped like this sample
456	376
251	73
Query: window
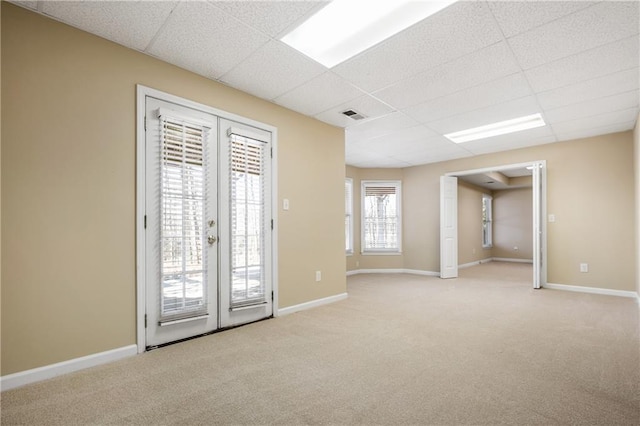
487	218
381	219
183	189
247	167
348	217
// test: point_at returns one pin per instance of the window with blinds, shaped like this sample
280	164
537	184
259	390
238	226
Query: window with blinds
248	180
348	220
183	191
381	216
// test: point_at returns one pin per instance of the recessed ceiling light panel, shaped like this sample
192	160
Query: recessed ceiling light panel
345	28
496	129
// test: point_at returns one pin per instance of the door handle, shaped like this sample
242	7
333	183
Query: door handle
211	239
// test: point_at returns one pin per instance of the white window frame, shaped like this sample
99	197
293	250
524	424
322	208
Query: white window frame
398	190
348	200
487	237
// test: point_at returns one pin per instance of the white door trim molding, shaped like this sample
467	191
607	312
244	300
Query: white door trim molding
22	378
141	93
539	201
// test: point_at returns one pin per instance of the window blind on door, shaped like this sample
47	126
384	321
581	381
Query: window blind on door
183	194
248	188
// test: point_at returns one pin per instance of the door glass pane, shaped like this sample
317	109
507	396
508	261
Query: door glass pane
183	192
247	221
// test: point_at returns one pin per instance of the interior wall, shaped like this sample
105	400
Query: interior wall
470	224
513	224
358	260
68	189
589	189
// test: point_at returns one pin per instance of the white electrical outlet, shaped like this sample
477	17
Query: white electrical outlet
584	267
552	218
285	204
318	275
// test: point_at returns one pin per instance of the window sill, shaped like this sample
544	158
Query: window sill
381	253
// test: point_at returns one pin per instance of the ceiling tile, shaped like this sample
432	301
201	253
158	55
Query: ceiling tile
317	95
596	131
495	92
584	30
204	39
603	60
515	17
493	114
593	107
522	139
607	85
380	126
405	140
131	23
602	120
462	28
270	17
272	70
366	105
26	3
478	67
429	155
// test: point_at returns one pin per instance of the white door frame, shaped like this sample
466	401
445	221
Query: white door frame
141	93
539	194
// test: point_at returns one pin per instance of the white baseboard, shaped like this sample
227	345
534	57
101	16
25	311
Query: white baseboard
312	304
12	381
421	272
475	263
509	259
592	290
393	271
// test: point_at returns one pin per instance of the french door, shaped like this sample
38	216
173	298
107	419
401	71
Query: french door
207	214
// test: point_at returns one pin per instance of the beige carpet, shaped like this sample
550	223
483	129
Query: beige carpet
402	349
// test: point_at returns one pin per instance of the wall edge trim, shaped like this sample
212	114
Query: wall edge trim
592	290
312	304
22	378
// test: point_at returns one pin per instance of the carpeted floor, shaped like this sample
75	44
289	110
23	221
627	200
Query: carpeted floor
484	348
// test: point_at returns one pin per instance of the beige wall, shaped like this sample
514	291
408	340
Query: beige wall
368	261
470	224
636	168
513	223
68	189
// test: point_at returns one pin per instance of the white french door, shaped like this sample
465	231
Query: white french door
448	227
207	222
246	290
538	172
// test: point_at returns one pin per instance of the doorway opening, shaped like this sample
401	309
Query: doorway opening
496	178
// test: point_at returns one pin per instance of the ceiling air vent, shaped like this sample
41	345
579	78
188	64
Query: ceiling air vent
353	114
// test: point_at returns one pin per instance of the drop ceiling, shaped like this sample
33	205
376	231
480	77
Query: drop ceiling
473	63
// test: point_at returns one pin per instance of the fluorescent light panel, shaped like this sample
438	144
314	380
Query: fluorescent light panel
496	129
344	28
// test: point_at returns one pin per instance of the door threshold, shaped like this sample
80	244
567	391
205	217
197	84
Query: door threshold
186	339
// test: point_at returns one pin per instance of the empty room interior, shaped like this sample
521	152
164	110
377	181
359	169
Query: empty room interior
320	212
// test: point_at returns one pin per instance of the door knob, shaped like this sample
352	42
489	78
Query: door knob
211	239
